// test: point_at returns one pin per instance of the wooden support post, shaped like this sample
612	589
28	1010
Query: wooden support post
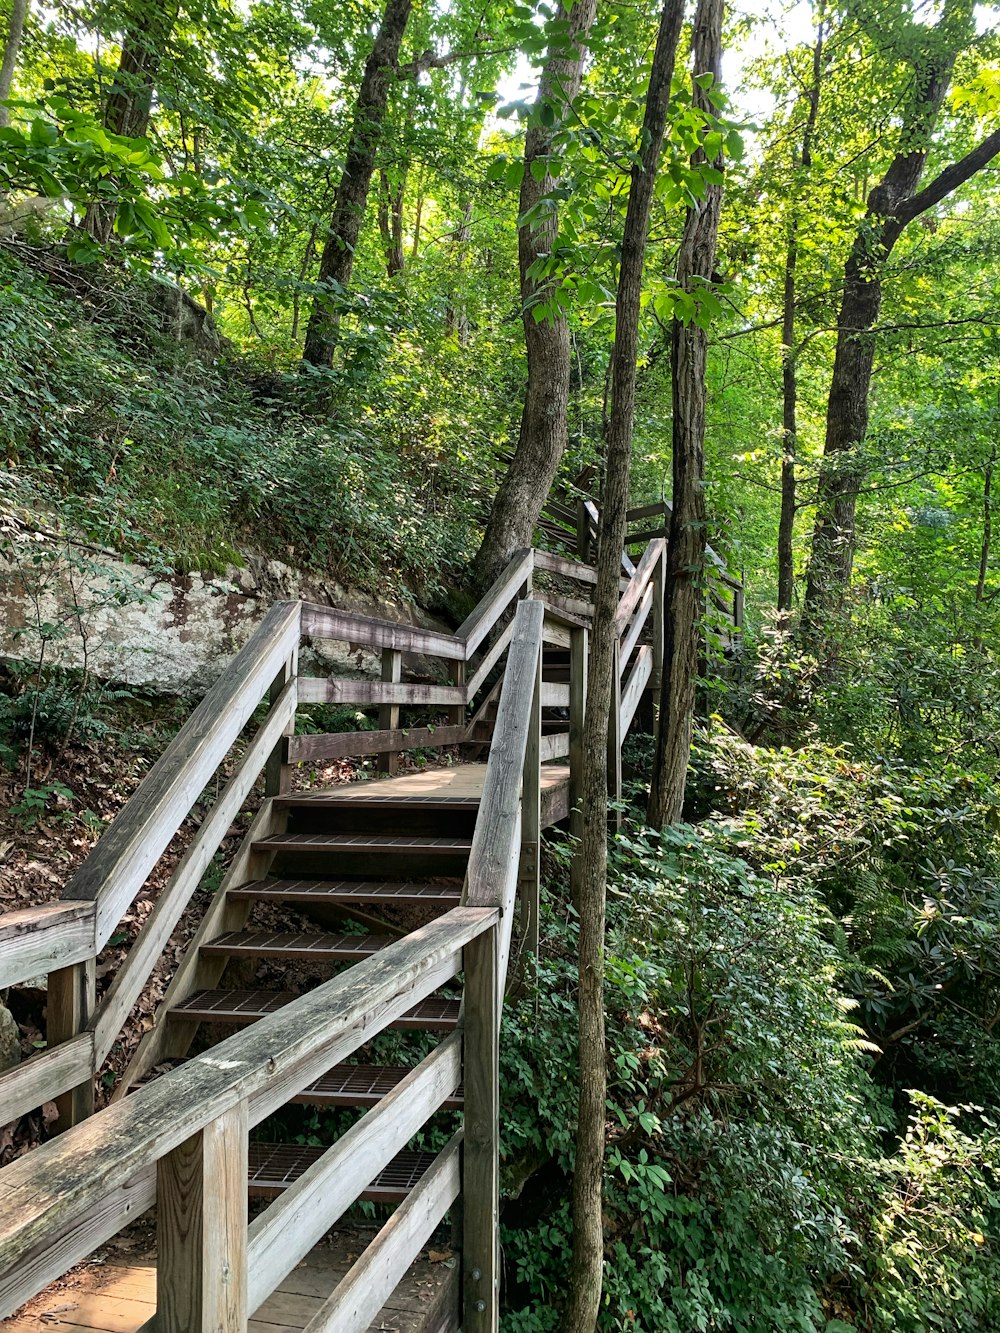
582	532
456	715
578	649
615	740
201	1224
278	772
69	1005
531	823
388	714
658	638
481	1168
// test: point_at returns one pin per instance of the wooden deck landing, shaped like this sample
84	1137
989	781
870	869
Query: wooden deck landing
463	782
118	1297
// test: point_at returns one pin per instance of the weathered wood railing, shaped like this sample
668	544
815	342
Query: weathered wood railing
170	1138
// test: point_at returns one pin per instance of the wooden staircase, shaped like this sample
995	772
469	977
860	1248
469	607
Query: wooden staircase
393	904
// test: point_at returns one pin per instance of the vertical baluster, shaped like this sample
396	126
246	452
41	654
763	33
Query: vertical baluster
70	1002
388	714
531	822
278	771
201	1223
481	1170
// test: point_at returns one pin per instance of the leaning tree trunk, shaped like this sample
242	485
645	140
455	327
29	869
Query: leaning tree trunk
130	100
789	370
337	259
18	18
842	471
589	870
685	563
543	435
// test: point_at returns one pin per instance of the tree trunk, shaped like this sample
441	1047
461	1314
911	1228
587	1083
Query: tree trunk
18	18
543	435
390	222
685	562
457	314
841	472
789	374
130	100
352	194
589	870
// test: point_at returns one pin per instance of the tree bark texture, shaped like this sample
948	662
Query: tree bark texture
842	471
337	259
589	869
543	435
130	98
390	222
18	18
685	561
789	352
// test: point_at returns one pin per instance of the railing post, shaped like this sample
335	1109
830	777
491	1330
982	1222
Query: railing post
656	679
388	714
578	645
481	1168
531	821
201	1223
615	738
70	1002
278	771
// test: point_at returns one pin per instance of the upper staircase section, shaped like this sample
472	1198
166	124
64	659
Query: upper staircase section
404	900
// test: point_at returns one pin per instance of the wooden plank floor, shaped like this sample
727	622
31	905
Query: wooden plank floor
118	1297
462	782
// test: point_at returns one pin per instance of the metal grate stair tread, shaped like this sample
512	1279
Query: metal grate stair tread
275	1166
362	1085
239	1007
296	946
349	891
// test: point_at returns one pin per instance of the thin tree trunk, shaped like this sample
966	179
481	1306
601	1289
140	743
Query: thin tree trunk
891	204
685	561
589	870
543	435
18	18
337	259
457	314
390	222
984	550
418	216
789	372
129	103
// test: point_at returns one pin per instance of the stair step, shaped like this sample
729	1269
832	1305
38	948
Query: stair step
363	842
357	796
240	1007
362	1085
349	891
296	946
275	1166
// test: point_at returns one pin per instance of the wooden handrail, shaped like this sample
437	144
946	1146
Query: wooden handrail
476	626
45	1196
118	866
639	583
41	939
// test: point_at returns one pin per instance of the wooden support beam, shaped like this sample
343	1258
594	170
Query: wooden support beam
201	1230
531	820
69	1005
46	1076
481	1167
278	773
326	622
369	693
578	651
388	714
344	744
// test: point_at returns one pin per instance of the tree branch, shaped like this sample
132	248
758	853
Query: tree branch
948	180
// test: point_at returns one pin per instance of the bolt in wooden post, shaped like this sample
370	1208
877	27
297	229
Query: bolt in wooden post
278	771
388	714
201	1224
70	1002
481	1169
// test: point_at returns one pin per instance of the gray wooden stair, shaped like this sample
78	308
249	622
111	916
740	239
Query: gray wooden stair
362	1085
237	1008
295	946
347	891
380	844
275	1166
